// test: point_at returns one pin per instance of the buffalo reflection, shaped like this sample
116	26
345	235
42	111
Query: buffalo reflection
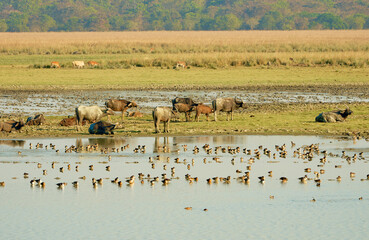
13	143
103	142
219	140
158	145
108	142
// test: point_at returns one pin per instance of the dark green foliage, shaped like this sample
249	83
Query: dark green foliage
17	22
330	21
3	25
137	15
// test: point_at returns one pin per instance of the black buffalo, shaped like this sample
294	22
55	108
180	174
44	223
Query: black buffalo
334	116
101	127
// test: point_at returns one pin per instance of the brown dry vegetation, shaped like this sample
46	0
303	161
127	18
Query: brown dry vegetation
198	49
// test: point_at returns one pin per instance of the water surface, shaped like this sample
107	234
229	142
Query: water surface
141	211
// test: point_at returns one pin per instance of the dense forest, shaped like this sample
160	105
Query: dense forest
137	15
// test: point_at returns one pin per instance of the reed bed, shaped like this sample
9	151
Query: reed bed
197	49
180	42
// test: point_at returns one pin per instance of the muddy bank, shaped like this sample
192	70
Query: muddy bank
337	89
54	102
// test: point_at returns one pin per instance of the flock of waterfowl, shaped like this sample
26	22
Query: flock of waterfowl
217	154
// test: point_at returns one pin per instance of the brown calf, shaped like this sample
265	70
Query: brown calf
134	114
70	121
203	109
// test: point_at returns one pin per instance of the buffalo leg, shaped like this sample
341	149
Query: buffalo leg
197	117
227	116
156	124
232	115
207	116
123	111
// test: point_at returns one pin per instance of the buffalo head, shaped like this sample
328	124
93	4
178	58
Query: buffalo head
18	125
108	111
193	107
240	103
346	112
174	113
132	104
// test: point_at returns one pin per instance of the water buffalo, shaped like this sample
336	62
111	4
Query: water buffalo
162	114
70	121
184	108
92	114
227	105
11	125
334	116
182	100
203	109
101	127
120	105
39	119
134	114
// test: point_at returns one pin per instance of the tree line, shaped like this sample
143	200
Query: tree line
175	15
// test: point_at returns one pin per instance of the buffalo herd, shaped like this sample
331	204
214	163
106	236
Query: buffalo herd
93	114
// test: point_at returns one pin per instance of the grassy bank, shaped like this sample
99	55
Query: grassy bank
151	78
284	119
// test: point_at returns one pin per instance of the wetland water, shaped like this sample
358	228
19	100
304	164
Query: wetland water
64	103
236	210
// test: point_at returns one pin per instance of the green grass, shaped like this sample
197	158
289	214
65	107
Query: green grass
155	78
278	119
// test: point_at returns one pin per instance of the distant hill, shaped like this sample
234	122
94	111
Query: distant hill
138	15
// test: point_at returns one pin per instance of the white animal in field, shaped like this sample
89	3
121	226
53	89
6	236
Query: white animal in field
78	64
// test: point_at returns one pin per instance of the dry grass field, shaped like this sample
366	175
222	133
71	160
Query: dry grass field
199	49
158	41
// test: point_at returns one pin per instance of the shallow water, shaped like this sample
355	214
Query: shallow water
65	103
141	211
